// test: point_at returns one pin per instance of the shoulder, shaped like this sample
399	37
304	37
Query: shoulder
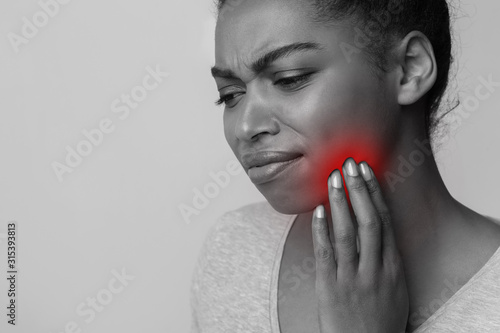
472	308
237	258
252	212
493	219
252	219
246	232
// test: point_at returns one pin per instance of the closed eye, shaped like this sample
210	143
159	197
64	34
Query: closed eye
226	98
293	81
288	83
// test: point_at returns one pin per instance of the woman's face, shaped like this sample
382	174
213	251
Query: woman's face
300	99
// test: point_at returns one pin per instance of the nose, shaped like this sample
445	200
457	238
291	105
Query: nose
255	118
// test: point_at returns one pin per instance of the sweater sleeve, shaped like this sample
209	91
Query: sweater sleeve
197	276
194	302
233	280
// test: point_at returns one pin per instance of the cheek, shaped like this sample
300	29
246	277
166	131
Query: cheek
328	155
363	133
229	131
308	186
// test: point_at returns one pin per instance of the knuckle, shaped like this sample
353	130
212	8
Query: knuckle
318	227
385	219
369	281
324	254
370	224
393	264
339	198
372	187
344	237
356	184
396	273
326	300
350	257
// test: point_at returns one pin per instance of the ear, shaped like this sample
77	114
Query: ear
417	67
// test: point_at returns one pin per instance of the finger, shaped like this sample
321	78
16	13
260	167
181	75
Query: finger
326	267
344	233
388	238
369	226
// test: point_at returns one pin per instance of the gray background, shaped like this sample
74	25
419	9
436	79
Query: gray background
119	209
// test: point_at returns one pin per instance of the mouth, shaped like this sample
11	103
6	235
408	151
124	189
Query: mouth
266	166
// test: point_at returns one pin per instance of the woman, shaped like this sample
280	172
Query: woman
330	107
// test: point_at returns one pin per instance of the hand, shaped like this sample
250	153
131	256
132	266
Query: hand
365	291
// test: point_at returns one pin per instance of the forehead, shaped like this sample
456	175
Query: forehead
246	29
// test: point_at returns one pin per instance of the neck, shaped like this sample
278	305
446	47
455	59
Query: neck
437	237
417	197
422	209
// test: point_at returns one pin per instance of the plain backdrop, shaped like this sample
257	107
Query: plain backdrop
119	208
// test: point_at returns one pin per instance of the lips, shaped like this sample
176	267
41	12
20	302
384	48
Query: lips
264	166
267	157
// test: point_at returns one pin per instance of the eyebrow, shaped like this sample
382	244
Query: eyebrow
267	59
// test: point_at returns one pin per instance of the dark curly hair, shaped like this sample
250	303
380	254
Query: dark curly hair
384	21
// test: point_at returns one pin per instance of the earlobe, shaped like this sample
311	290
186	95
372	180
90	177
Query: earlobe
418	68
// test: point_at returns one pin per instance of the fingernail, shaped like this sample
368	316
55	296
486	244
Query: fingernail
365	171
320	212
352	169
336	180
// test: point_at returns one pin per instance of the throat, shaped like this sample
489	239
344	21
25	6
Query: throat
297	303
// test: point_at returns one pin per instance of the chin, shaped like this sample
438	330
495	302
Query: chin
291	202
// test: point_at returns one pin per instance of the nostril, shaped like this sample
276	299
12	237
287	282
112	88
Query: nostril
257	136
253	119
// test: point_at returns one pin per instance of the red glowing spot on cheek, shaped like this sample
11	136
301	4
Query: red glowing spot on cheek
360	146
